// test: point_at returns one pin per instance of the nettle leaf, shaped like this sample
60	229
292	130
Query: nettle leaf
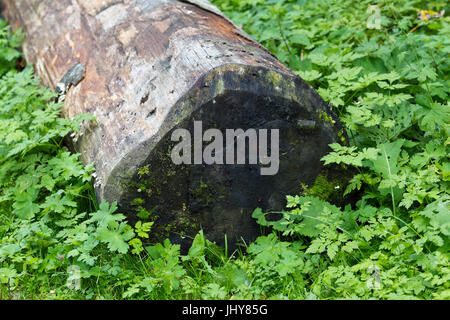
269	34
300	39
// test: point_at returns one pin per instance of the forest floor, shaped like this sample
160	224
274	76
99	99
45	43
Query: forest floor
383	68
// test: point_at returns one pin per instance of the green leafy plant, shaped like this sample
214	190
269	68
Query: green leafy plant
389	87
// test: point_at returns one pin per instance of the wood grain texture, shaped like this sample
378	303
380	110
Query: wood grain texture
149	67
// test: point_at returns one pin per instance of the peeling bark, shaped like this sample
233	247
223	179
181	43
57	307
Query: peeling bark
151	66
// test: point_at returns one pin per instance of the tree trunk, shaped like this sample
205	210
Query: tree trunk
144	68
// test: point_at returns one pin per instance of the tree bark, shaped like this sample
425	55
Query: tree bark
144	68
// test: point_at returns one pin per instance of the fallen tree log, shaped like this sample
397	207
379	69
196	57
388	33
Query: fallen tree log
145	68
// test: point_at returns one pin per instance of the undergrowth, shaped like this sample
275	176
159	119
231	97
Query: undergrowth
389	86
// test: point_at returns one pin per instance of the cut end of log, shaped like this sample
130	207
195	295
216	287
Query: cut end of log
220	198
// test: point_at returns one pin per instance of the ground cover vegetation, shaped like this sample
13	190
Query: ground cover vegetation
383	68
